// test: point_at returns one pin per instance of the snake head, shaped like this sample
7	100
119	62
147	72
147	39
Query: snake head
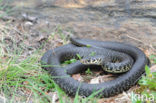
91	61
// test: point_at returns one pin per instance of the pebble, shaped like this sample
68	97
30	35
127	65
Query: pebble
28	24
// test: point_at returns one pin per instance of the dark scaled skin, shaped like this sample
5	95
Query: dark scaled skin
112	63
108	88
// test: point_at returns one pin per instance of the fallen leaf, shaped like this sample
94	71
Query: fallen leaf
101	79
153	68
77	77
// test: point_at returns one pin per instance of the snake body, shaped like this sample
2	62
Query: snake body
131	54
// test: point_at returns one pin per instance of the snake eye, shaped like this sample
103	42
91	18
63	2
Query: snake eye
88	60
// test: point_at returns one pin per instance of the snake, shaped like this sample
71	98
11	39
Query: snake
130	68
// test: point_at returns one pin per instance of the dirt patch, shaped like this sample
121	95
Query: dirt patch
126	21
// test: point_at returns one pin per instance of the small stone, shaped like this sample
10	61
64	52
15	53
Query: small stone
29	18
28	24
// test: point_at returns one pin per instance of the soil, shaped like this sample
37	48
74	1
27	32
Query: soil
32	23
131	21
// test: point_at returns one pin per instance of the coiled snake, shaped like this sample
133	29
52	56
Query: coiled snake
132	61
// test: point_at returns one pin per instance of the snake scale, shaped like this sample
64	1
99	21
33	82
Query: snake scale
123	82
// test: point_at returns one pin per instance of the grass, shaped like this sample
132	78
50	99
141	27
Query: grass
147	90
24	75
153	58
88	72
4	9
59	33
